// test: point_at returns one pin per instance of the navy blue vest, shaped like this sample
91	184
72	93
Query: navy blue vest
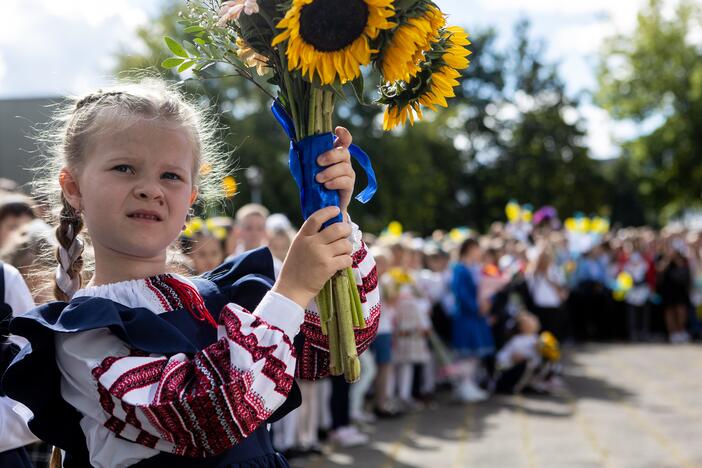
34	378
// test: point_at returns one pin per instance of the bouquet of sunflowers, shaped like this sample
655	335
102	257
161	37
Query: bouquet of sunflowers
302	53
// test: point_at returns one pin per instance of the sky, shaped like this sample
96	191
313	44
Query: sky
50	48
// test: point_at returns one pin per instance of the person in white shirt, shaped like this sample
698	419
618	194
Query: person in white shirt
14	432
548	293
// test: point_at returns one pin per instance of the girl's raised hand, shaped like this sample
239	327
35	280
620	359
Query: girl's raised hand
314	257
339	174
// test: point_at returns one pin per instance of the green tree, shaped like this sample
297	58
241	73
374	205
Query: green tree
504	136
524	137
655	74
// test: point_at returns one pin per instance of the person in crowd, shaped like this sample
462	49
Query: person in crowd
637	307
250	227
15	210
14	432
203	247
548	291
382	346
147	365
412	325
674	288
528	360
472	338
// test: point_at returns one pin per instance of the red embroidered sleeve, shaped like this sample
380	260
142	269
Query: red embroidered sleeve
313	363
203	405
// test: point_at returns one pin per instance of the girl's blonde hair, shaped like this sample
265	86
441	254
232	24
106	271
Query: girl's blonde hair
108	110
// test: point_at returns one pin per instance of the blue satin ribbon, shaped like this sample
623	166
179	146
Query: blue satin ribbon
302	160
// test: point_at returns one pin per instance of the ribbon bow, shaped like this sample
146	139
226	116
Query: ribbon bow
303	165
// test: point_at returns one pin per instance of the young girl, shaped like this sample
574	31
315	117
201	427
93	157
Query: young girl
202	246
472	338
146	368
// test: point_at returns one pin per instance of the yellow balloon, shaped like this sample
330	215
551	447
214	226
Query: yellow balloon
571	224
395	228
624	281
585	224
527	216
512	210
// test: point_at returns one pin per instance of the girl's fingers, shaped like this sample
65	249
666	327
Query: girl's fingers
340	183
341	247
342	262
337	170
335	232
334	156
317	219
343	137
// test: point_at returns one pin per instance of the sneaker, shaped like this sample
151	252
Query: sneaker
364	417
349	436
468	392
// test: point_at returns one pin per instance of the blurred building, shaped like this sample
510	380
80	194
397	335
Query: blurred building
18	121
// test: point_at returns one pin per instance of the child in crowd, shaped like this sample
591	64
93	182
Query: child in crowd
141	367
250	227
203	246
15	210
472	338
412	324
528	359
14	432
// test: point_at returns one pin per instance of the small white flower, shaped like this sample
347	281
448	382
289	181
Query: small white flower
232	9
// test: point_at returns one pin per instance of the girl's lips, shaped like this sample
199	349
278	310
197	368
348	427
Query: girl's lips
145	216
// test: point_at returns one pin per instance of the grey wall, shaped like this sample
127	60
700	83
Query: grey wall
17	149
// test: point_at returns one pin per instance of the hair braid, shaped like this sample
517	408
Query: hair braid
69	253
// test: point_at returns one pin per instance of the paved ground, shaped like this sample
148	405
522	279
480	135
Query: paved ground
628	406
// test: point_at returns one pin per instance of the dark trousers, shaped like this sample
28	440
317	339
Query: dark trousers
16	458
340	411
554	320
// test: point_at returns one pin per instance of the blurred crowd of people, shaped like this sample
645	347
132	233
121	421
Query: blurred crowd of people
470	314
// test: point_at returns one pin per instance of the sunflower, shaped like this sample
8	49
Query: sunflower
251	58
433	84
330	38
406	47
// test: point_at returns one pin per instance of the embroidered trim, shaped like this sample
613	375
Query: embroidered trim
204	405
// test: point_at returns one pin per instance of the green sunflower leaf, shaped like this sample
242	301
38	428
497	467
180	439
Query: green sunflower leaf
357	85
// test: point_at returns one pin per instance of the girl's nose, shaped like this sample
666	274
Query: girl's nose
149	191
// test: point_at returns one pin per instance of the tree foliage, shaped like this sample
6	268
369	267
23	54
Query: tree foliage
655	74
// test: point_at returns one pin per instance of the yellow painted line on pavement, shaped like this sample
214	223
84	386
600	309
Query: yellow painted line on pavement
526	436
646	427
586	427
464	436
410	423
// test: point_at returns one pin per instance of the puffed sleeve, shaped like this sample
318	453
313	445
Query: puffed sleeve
313	360
196	404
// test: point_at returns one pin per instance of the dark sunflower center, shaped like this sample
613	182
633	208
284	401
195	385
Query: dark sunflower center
331	25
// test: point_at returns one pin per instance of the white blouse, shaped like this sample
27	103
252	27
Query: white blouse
149	399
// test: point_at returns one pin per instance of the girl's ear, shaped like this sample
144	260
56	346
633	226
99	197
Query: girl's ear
193	195
69	186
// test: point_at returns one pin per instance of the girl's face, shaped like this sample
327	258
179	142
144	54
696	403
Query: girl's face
135	187
207	254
